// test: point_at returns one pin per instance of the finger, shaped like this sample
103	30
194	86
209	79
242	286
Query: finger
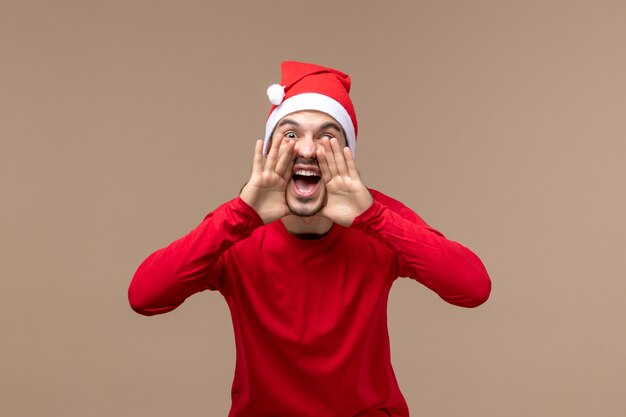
272	155
275	143
340	160
351	164
285	157
257	162
328	153
323	163
288	170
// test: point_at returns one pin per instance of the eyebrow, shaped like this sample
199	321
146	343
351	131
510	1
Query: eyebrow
331	125
322	127
287	122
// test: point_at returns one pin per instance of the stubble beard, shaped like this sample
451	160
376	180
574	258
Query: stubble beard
304	211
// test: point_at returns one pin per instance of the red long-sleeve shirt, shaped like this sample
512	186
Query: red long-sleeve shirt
310	316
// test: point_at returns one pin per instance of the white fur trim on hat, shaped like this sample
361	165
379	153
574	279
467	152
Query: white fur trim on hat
311	101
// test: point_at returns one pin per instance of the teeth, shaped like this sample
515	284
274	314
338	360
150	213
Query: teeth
306	173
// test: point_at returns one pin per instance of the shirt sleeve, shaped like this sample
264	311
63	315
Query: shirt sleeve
454	272
192	263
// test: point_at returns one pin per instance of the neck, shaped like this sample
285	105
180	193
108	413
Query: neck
314	225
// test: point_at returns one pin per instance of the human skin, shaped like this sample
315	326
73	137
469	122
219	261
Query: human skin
306	144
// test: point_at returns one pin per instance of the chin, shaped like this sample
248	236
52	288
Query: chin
305	207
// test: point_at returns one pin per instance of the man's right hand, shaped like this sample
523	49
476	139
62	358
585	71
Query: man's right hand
265	191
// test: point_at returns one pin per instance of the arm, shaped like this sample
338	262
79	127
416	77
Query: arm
194	263
454	272
451	270
190	264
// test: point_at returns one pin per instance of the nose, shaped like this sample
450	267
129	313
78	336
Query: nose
306	147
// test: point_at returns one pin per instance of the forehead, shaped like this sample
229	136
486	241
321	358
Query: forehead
309	119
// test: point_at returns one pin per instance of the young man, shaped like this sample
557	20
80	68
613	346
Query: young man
305	257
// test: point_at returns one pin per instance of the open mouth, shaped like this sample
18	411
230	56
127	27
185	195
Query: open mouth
305	182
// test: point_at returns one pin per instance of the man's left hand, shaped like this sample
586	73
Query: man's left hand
346	195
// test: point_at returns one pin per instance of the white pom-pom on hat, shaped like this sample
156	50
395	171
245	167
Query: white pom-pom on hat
276	94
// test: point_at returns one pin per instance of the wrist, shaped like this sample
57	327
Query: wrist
263	205
365	202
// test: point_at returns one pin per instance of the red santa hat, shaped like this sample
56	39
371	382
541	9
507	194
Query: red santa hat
312	87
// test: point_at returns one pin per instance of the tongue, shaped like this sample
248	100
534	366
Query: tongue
305	185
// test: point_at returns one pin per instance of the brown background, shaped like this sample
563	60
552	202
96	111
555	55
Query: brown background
502	123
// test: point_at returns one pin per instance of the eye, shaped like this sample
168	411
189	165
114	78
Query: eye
327	136
290	134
